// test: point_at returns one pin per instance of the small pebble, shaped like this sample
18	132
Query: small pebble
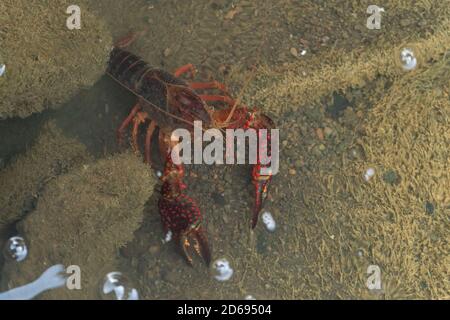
225	219
159	174
369	174
429	207
406	22
303	52
249	297
294	52
292	172
218	198
299	164
167	52
328	132
230	15
170	276
423	285
153	250
222	270
320	134
391	177
356	153
269	221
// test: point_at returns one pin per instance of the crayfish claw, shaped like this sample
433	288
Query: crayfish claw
181	215
195	238
202	245
185	244
261	183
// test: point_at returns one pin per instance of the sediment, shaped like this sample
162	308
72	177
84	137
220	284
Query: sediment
46	63
82	218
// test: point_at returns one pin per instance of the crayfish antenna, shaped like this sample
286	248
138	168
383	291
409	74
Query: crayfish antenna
197	240
127	40
185	244
256	209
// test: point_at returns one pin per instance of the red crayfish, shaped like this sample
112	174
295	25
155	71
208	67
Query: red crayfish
167	102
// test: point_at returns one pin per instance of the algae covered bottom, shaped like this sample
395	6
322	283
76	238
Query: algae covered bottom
364	173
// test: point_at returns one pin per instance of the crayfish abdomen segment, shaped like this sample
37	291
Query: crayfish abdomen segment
126	68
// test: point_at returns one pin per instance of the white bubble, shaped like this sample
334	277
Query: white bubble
249	297
168	237
269	221
369	174
117	287
2	69
222	270
16	249
159	174
409	61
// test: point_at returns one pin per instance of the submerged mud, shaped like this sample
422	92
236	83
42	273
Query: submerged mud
46	63
83	218
51	155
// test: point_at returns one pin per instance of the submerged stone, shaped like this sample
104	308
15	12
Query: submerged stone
429	207
391	177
